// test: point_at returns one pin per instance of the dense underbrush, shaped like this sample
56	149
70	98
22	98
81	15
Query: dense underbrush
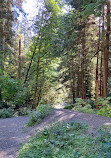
68	140
89	106
37	115
6	113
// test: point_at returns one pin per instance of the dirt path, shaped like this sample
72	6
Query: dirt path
13	131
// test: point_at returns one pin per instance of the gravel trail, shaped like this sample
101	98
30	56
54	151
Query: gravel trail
13	131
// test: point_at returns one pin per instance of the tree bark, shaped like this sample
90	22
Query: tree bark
36	84
19	59
2	43
97	83
101	75
39	96
104	59
107	41
30	64
97	77
83	66
106	49
78	89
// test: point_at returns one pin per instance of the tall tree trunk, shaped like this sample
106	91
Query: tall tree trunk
73	82
78	89
39	36
1	69
83	66
19	59
107	39
85	73
97	82
83	82
73	88
26	77
1	65
104	59
106	49
101	75
2	43
36	84
39	96
97	77
72	78
37	75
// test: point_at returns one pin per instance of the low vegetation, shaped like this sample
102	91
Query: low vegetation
23	111
89	106
105	111
6	113
86	109
37	115
68	140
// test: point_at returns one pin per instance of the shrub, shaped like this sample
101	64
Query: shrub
5	113
79	101
13	93
23	111
37	115
87	108
102	102
68	107
105	111
64	140
92	103
3	105
104	105
109	99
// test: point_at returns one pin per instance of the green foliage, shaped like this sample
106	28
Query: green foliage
52	6
92	103
105	111
109	99
68	106
100	101
104	105
37	115
42	76
9	88
88	7
104	138
87	109
79	101
3	105
93	8
13	92
6	113
23	111
67	140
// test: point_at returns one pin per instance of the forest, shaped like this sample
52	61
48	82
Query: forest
59	56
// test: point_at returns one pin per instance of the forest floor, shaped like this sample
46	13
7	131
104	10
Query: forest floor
13	131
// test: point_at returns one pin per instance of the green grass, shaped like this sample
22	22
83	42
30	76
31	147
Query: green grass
68	140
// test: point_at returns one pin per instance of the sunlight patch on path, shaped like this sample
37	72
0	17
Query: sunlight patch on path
13	131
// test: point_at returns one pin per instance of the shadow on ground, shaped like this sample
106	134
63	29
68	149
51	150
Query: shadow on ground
13	131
